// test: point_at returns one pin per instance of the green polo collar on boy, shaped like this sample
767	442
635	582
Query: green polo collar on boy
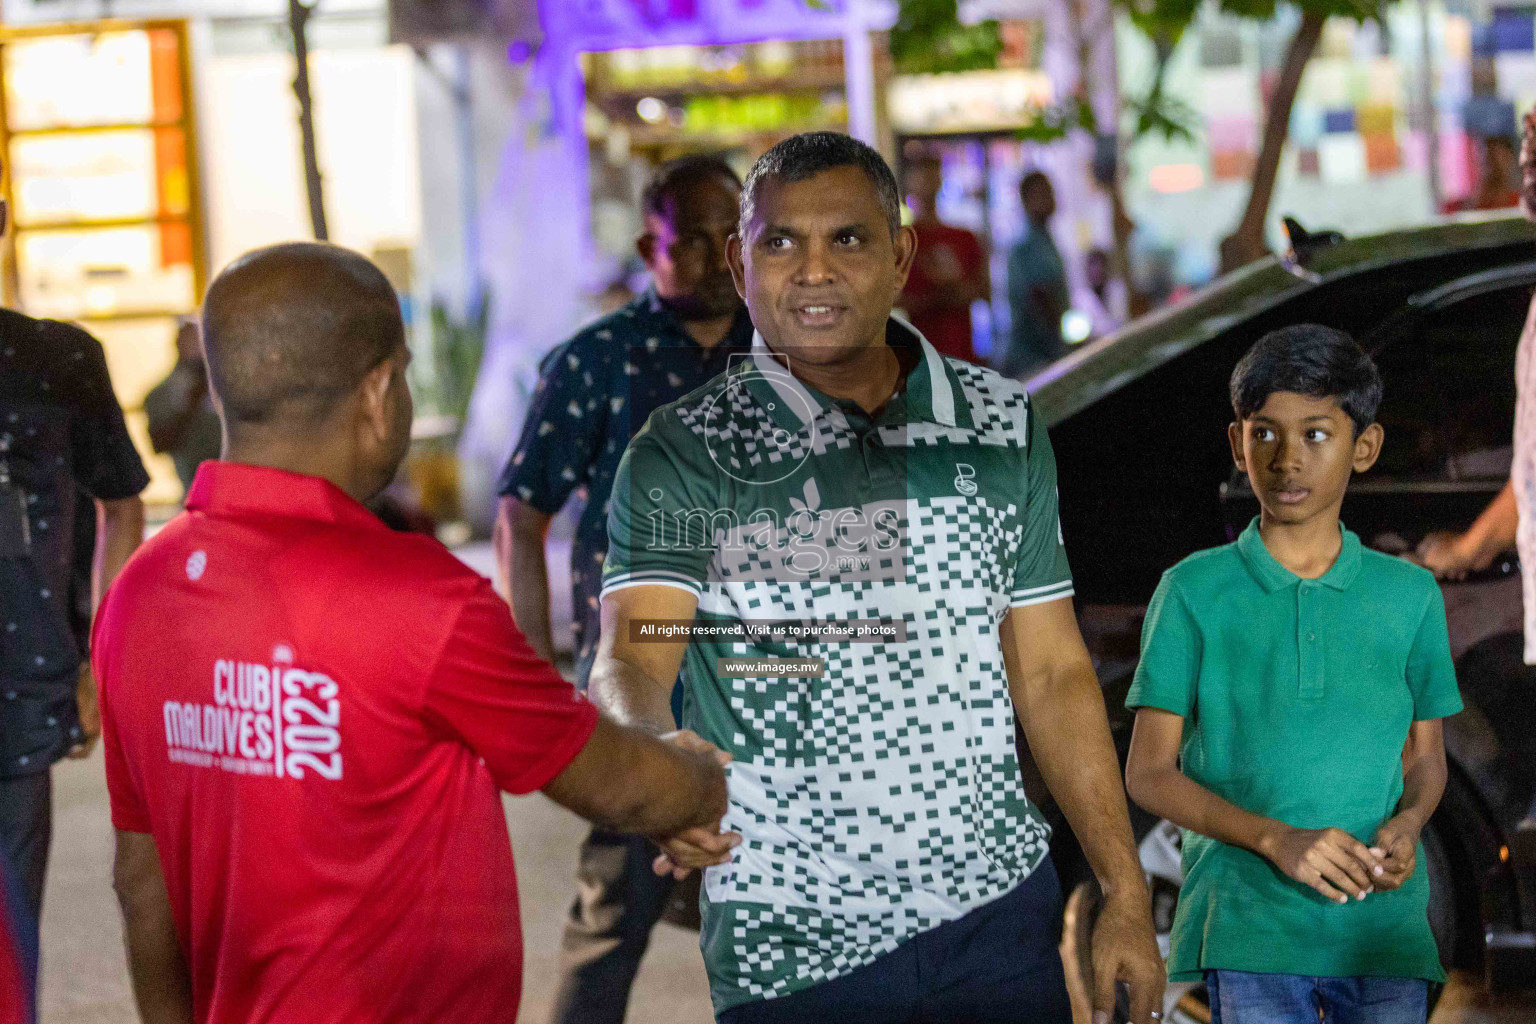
1273	576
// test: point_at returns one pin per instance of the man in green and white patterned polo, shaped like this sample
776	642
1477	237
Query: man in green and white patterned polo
889	866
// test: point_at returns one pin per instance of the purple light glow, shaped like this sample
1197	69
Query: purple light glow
520	51
598	25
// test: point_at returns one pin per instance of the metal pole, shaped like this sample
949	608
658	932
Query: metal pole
859	74
1431	114
469	192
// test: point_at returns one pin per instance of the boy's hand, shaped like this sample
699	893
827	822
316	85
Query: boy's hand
1329	860
1396	844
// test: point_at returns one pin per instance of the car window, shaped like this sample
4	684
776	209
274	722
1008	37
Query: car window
1449	401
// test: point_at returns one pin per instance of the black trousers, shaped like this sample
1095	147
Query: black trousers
999	964
618	901
26	827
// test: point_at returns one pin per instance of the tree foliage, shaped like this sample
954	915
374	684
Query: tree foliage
1167	19
928	38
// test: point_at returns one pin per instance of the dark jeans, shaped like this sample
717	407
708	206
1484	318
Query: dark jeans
999	963
618	902
1239	997
26	826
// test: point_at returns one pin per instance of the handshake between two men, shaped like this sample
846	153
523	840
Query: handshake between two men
670	789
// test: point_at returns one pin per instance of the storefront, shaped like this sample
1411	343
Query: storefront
972	121
103	187
141	156
647	106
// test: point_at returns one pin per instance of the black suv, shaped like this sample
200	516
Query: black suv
1138	421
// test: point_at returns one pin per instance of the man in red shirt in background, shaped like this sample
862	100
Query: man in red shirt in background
950	271
307	717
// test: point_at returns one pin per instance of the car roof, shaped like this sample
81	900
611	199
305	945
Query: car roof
1104	366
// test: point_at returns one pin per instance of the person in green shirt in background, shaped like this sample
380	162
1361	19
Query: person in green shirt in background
1288	706
1037	284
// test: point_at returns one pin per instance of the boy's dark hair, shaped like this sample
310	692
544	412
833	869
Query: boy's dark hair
801	157
673	177
1311	360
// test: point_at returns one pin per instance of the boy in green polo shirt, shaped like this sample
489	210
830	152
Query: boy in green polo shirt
1288	704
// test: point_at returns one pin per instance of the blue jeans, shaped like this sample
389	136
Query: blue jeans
1238	997
999	964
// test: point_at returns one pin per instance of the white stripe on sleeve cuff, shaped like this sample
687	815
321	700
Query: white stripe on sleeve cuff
676	581
1040	595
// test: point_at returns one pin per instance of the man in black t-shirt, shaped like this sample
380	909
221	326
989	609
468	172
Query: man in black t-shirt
62	435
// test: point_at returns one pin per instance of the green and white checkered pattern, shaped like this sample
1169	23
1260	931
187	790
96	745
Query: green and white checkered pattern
884	798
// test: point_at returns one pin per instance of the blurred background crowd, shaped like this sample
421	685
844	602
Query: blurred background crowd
1069	164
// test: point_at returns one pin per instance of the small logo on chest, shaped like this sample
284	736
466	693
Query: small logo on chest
965	479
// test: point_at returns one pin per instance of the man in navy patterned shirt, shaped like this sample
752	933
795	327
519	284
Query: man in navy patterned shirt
595	391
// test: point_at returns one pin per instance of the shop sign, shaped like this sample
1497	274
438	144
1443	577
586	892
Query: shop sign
972	11
610	24
969	101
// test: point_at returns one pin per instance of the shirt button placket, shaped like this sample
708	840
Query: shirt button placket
1310	654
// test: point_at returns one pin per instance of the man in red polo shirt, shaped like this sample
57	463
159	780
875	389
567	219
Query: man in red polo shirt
950	271
307	717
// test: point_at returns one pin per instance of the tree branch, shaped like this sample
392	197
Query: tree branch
1246	244
299	14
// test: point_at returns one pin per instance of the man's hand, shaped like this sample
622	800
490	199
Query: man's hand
89	713
1125	949
1329	860
1450	556
695	847
1060	705
1396	846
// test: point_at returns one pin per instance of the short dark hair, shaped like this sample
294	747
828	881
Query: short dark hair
290	329
671	179
1033	178
801	157
1311	360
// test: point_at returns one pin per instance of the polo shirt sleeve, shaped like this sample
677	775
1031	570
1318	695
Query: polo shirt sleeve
1170	654
129	813
564	431
1040	573
106	464
490	692
1431	672
656	534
